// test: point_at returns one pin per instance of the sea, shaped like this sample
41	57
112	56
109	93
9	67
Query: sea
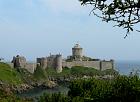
127	67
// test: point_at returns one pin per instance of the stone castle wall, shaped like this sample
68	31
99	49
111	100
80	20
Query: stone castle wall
107	65
42	62
20	62
56	61
30	67
99	65
53	61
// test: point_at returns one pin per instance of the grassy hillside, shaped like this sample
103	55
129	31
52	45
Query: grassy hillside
9	75
40	74
79	71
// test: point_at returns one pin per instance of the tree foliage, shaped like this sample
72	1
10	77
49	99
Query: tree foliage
56	97
120	89
126	13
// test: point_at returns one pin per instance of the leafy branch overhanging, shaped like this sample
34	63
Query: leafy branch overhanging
126	13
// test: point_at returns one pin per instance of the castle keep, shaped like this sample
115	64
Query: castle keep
58	63
77	59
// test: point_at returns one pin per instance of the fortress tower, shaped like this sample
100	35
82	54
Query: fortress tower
42	62
77	52
59	63
55	61
52	61
19	61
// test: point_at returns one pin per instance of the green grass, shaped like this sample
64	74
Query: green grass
52	72
79	71
9	75
40	74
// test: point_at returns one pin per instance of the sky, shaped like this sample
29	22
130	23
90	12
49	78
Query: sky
36	28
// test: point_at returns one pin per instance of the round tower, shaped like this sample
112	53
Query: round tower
59	63
77	52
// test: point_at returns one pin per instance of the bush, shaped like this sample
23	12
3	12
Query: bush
56	97
120	89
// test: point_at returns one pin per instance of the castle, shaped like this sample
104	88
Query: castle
58	63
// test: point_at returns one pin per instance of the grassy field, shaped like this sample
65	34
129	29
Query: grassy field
9	75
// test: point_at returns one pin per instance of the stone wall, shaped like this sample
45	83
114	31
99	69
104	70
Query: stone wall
30	67
19	61
51	61
55	61
93	64
99	65
42	62
107	65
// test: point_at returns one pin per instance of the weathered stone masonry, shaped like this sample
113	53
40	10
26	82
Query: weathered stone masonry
57	62
20	62
99	65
